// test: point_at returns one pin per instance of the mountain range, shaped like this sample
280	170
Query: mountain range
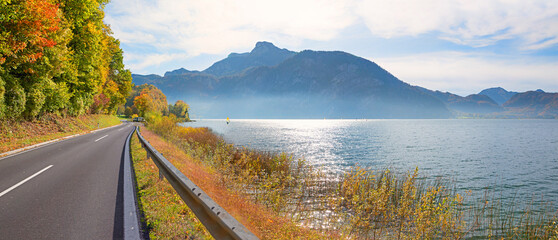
498	94
270	82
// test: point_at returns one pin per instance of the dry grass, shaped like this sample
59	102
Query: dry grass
384	206
360	204
18	134
166	216
257	218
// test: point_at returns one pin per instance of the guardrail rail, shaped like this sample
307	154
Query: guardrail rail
219	223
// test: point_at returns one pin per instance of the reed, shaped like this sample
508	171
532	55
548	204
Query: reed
360	203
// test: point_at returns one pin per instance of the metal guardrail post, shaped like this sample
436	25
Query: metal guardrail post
148	156
219	223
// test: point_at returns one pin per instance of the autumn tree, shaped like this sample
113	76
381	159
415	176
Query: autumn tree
59	56
180	109
144	103
150	99
29	29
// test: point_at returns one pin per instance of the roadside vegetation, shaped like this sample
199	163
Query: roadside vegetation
148	101
59	57
262	221
17	134
165	215
359	204
61	71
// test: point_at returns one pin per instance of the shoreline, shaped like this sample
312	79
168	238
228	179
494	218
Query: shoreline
355	177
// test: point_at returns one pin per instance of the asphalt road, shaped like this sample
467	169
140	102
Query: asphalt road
67	190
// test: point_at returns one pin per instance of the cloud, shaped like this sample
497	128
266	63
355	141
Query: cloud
474	23
465	74
154	33
214	27
142	61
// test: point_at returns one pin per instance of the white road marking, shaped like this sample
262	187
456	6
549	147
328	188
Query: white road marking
25	180
121	128
101	138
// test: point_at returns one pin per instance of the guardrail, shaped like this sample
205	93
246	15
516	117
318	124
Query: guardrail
219	223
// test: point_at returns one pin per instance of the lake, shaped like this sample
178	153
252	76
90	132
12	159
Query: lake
514	157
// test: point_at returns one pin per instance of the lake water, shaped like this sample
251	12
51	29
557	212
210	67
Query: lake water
515	157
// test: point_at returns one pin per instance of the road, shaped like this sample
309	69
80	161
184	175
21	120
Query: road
67	190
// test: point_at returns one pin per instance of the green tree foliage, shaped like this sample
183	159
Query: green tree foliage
148	101
128	112
58	56
180	109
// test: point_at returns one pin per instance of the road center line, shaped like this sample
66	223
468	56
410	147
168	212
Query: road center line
22	182
101	138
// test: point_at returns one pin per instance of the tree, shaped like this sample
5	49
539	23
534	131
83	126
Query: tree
180	109
144	103
28	29
128	112
59	56
147	98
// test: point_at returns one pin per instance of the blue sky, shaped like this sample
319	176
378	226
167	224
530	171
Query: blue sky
461	46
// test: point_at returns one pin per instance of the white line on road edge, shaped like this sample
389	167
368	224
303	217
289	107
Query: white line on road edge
101	138
22	182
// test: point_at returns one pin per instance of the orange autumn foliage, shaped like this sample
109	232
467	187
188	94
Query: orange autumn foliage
30	30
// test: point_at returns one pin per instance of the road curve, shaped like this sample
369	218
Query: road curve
66	190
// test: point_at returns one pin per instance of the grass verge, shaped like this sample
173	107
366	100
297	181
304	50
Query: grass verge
18	134
262	221
279	197
166	216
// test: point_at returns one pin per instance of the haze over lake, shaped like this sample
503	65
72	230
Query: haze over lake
514	156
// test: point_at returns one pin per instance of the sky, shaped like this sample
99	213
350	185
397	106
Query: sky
460	46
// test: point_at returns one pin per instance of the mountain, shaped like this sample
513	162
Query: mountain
533	104
472	104
498	94
334	85
269	82
179	83
264	54
178	72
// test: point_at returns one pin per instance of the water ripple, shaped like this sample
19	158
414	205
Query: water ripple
515	156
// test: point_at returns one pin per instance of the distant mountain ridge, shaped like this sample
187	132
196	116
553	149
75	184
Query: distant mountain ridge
472	104
180	71
264	54
534	104
498	94
269	82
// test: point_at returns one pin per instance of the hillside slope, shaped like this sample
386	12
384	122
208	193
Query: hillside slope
308	84
498	94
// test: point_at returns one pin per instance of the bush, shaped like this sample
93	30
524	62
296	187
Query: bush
34	104
14	100
2	92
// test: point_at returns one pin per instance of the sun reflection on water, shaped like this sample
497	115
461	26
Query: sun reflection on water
475	153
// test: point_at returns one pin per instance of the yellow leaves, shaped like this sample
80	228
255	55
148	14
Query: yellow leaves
143	103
